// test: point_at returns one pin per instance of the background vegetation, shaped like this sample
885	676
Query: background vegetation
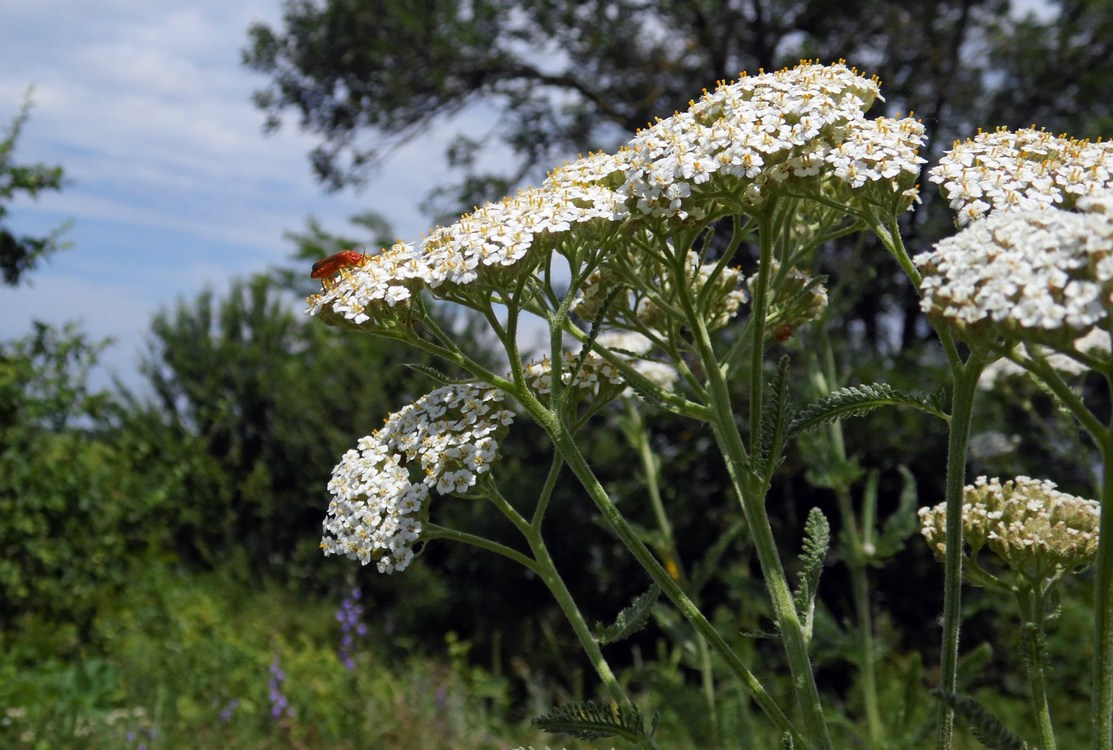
159	560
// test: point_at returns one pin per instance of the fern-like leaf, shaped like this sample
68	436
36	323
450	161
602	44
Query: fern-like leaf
902	523
817	539
986	727
774	421
631	619
859	400
596	328
590	721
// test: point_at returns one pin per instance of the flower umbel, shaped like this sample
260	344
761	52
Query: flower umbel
747	139
448	437
1043	275
1039	532
1024	170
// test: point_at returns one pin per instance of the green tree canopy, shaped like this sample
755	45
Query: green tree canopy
20	254
567	77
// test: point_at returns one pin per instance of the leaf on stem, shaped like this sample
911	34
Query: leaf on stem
590	721
817	539
902	523
859	400
986	727
631	619
775	423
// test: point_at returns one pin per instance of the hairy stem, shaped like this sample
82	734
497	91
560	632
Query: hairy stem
962	409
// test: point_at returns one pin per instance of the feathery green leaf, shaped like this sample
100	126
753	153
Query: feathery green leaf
591	721
859	400
986	727
631	619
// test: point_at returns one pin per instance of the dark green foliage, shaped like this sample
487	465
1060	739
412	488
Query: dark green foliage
631	619
984	725
70	500
859	400
18	255
590	721
252	406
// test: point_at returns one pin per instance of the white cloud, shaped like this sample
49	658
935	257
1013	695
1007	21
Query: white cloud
172	184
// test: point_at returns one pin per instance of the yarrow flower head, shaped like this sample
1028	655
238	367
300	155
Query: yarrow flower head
803	125
481	253
1039	532
441	442
1025	170
595	377
1045	275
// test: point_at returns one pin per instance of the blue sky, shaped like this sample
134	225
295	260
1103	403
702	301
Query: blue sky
172	184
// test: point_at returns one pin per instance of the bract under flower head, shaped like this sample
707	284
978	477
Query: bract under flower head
1043	276
447	437
1024	170
1095	343
1038	531
804	124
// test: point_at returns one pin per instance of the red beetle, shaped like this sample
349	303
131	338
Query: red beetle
331	265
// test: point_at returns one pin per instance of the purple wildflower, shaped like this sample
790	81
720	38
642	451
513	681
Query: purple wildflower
350	617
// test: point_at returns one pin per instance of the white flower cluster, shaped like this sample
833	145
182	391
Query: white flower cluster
479	249
1041	275
744	138
1025	170
448	436
804	124
596	376
1037	530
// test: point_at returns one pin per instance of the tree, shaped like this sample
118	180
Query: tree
71	505
18	255
251	407
567	77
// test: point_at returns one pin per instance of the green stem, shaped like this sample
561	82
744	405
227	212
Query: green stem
579	466
757	519
545	568
1102	708
857	535
962	409
752	496
856	562
1031	608
639	439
